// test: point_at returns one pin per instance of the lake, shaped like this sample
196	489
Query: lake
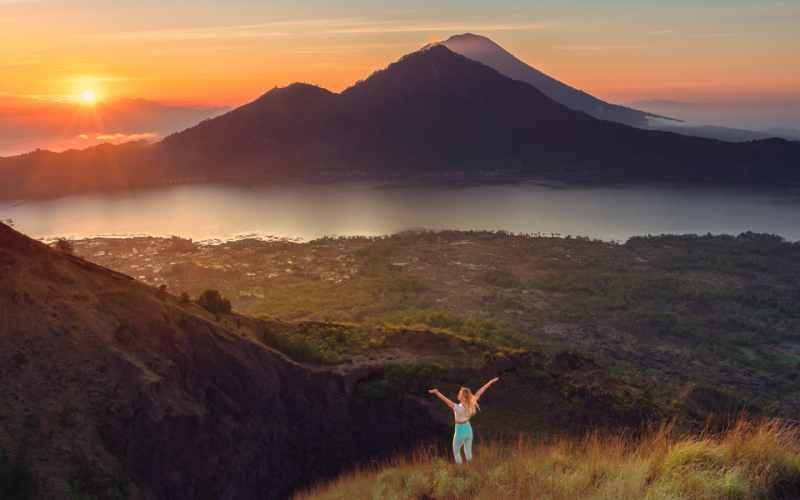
305	212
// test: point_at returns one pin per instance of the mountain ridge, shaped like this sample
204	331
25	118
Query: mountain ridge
433	114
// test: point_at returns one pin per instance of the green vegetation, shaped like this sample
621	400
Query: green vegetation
748	462
333	343
325	343
213	302
666	313
476	325
399	379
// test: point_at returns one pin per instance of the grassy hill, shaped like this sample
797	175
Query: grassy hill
747	462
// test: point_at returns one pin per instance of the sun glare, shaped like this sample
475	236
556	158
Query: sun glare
89	97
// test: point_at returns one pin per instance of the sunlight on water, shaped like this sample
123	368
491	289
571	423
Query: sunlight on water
307	212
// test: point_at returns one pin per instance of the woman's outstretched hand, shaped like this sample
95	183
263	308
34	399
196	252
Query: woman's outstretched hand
442	397
485	386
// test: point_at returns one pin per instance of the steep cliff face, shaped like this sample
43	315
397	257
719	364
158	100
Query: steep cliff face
113	389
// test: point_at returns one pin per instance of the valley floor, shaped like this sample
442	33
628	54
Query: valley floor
702	324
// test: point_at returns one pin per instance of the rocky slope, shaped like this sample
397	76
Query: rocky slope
111	388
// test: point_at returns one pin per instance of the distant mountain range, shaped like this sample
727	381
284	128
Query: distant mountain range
432	115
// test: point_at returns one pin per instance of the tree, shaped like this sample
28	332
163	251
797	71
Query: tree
213	302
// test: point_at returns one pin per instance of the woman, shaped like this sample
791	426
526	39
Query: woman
463	411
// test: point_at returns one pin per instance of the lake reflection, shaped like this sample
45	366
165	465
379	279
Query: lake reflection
307	212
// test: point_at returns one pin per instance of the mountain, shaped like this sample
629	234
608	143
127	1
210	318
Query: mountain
433	114
484	50
792	134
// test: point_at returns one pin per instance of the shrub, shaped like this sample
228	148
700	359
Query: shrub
213	302
185	299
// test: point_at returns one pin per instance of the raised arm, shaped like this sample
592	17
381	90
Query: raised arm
441	396
485	386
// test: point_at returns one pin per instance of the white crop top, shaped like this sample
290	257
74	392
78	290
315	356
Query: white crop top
460	413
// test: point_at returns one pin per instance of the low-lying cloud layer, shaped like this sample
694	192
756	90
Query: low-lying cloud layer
28	124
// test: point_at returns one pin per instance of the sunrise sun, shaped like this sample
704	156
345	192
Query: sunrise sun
89	97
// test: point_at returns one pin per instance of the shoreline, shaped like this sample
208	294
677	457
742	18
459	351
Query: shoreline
269	238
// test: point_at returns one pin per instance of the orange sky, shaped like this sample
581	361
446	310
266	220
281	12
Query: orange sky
202	53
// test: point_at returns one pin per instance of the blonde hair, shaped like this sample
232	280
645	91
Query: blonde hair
469	401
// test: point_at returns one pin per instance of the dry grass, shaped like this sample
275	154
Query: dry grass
748	461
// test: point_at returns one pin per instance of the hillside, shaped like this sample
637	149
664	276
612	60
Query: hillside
433	115
112	388
705	324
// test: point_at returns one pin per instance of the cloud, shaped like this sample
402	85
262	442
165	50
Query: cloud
444	27
118	137
98	78
310	27
339	48
27	124
710	36
663	32
598	48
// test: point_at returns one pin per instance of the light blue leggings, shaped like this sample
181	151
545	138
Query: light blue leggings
462	437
